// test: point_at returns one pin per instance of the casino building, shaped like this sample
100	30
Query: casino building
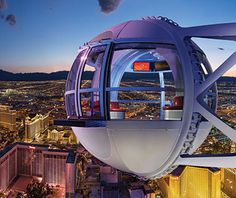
20	163
189	181
7	117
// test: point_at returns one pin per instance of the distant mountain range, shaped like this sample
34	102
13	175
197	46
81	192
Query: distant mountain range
62	75
8	76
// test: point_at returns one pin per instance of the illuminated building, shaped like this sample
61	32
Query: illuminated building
109	174
7	117
35	126
228	182
192	182
137	193
64	137
232	148
21	160
69	138
54	135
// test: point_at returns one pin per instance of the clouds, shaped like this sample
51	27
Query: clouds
108	6
9	18
3	4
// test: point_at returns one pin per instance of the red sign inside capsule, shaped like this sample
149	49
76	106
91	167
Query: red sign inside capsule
141	66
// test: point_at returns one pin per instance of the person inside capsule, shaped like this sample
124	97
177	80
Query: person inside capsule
133	81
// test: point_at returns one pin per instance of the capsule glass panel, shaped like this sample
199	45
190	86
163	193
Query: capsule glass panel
145	83
71	80
90	83
70	107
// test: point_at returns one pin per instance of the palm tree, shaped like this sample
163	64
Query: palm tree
37	189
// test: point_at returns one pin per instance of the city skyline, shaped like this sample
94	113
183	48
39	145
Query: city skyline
47	35
38	147
143	112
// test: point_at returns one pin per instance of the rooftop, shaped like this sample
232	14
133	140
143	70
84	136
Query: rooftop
179	170
45	147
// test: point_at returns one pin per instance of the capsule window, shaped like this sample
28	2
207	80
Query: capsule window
71	80
92	68
89	91
71	85
71	108
145	83
90	104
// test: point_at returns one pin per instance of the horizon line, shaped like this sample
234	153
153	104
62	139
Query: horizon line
44	72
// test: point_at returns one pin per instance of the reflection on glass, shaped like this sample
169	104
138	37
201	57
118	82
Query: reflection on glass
92	69
70	100
71	81
90	80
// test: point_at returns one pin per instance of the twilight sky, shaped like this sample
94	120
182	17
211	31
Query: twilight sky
48	33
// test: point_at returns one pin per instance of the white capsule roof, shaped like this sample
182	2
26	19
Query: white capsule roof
146	29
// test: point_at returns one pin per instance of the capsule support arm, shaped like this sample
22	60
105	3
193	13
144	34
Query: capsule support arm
203	109
208	160
225	31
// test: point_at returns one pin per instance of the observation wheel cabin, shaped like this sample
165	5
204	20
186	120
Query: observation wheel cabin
126	81
130	96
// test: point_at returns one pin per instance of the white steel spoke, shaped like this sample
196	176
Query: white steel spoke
225	31
212	78
208	161
217	122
